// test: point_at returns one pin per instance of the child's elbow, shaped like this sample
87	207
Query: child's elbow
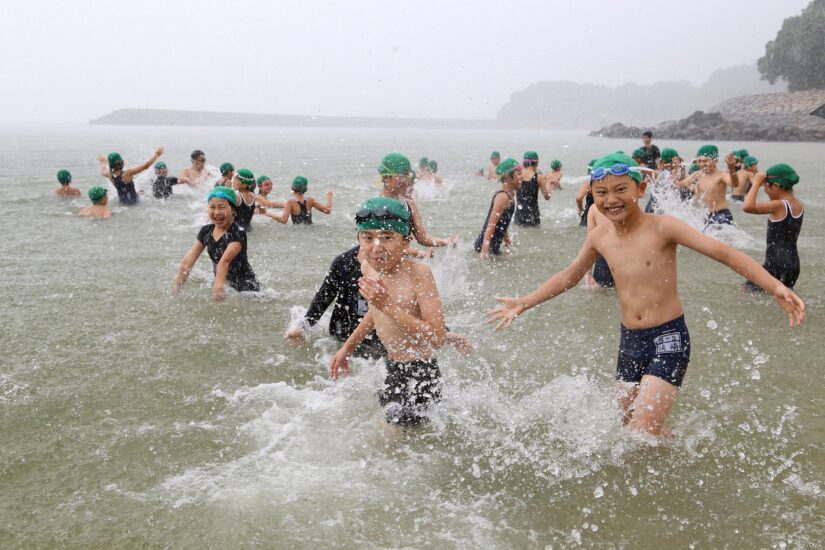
750	209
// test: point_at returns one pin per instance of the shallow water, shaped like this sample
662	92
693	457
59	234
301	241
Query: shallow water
131	418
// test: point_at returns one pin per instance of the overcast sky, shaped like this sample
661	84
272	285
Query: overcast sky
71	61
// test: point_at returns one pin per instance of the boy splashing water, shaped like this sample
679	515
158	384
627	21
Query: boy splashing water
641	250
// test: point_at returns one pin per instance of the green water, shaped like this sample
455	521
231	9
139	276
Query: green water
132	419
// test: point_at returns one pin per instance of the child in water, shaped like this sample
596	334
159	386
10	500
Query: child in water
226	244
111	168
300	207
641	249
496	224
66	191
784	213
554	177
98	209
404	309
245	185
162	184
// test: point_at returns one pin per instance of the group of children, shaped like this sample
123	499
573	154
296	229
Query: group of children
387	299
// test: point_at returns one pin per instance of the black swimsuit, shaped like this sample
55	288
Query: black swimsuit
501	226
782	256
240	275
126	192
162	187
527	199
305	217
245	212
588	202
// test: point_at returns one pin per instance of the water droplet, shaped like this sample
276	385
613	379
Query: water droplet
705	393
755	375
761	359
744	426
598	493
712	324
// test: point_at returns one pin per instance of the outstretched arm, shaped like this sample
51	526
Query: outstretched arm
738	261
138	169
186	266
283	217
325	208
752	207
565	279
421	234
270	204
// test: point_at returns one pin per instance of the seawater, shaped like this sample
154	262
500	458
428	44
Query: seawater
130	418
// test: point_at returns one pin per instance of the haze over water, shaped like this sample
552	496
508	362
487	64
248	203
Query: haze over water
130	418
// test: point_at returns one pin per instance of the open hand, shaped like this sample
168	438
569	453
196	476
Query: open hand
339	362
791	303
158	151
460	342
295	336
505	313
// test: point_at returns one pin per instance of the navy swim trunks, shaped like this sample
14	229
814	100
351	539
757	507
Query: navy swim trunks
409	389
663	352
720	217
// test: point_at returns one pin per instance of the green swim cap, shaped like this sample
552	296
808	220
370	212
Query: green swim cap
530	156
708	151
750	161
637	154
668	154
433	166
741	154
114	158
555	165
495	155
782	175
226	167
246	177
300	183
423	162
225	193
506	166
64	177
160	165
383	213
262	179
693	168
96	194
608	161
394	164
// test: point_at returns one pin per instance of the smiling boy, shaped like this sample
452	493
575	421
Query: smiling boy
640	249
404	309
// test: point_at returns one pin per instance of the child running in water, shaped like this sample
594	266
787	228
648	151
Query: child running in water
496	224
785	213
641	249
404	309
299	207
66	191
226	244
98	209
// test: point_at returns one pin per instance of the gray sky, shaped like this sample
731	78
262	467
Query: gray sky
71	61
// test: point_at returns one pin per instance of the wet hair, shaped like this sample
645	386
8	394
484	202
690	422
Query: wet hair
648	134
197	153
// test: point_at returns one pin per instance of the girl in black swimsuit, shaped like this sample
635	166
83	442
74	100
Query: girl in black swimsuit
299	207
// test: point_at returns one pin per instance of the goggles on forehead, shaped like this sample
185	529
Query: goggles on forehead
379	213
619	169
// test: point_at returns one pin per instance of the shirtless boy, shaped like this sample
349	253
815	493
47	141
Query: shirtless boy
404	309
710	185
495	159
750	166
66	191
197	173
98	210
641	250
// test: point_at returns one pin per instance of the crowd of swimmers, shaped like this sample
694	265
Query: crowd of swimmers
386	302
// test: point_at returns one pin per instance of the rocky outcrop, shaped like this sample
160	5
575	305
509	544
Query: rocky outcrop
711	126
803	111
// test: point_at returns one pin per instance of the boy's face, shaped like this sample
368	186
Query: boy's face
646	140
396	185
199	161
707	164
495	160
220	212
617	196
383	249
266	187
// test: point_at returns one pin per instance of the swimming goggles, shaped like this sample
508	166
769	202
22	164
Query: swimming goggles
618	169
378	213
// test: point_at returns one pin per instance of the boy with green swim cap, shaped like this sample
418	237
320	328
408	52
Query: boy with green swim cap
404	309
66	191
641	250
299	206
554	177
744	177
98	210
227	178
162	184
710	185
495	159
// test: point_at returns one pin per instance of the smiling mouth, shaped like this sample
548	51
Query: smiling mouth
614	209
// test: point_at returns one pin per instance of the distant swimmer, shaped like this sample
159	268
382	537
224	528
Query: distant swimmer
554	177
671	170
404	310
527	195
422	171
226	244
111	168
197	174
262	200
750	166
784	213
66	191
650	157
245	185
98	210
299	206
162	184
601	277
655	346
710	185
494	232
495	159
227	178
584	197
433	166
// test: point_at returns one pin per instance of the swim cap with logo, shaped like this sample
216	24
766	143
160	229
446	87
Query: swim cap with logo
160	165
708	151
555	165
96	194
506	166
226	167
114	158
668	155
608	161
782	175
300	183
246	177
385	214
394	164
225	193
64	177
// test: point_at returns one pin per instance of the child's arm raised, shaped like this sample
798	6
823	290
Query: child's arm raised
738	261
752	207
138	169
222	270
565	279
325	208
186	266
340	361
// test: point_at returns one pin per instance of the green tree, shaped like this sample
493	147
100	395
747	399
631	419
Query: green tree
797	54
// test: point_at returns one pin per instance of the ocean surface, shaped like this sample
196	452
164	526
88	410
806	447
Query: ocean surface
133	419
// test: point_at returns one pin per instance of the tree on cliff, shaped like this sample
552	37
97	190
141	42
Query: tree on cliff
797	55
